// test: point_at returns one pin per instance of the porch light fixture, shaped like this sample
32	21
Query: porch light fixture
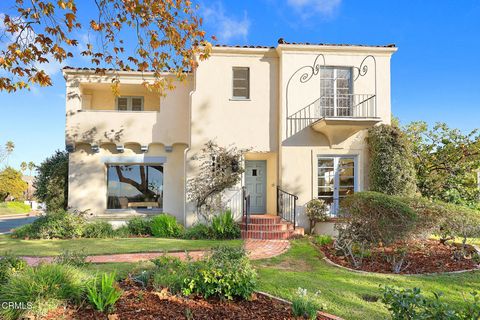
95	148
70	148
120	149
168	148
144	148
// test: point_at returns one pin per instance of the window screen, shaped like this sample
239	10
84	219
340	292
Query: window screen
241	83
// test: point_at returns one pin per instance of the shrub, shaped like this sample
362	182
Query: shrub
42	288
60	224
104	294
376	218
166	226
323	239
316	211
303	305
226	274
225	227
122	232
430	215
9	265
73	258
392	169
198	231
139	226
171	273
461	222
98	229
411	304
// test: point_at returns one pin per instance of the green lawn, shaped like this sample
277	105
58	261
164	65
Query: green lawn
342	290
106	246
8	208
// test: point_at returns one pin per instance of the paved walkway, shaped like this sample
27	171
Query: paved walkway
256	249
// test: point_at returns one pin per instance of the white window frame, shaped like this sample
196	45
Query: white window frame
335	93
244	98
336	159
129	103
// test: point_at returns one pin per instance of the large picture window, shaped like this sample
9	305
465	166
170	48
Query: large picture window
135	186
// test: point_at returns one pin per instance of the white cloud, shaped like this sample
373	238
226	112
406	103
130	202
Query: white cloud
308	8
225	27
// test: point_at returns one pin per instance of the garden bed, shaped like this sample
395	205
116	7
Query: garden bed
137	303
423	256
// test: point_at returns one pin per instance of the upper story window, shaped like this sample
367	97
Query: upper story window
241	83
130	103
336	91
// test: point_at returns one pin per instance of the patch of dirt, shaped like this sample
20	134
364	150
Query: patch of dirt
140	304
423	256
290	265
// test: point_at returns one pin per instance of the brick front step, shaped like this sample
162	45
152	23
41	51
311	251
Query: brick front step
269	227
272	235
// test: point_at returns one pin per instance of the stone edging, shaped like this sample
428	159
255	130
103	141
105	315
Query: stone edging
399	274
321	313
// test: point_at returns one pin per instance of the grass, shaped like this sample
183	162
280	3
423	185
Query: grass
106	246
8	208
342	290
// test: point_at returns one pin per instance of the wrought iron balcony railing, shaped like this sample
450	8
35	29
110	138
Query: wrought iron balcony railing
344	106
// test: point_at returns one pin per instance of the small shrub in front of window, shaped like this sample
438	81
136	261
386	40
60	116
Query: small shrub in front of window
166	226
139	226
317	211
224	226
198	231
98	229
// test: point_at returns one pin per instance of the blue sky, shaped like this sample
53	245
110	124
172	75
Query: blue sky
434	73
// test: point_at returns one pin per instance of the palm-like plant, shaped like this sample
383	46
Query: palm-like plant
9	147
23	166
31	166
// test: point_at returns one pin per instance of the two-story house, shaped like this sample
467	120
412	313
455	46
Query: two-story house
302	109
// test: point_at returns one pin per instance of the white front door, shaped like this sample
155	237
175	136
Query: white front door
336	180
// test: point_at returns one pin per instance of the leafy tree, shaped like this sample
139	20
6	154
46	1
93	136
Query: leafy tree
220	169
445	161
11	184
391	165
168	36
51	182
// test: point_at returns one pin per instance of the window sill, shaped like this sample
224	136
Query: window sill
128	213
240	99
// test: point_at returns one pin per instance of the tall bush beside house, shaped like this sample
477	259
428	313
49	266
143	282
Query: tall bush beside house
391	162
51	182
11	184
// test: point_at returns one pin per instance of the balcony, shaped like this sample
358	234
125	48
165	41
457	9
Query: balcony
97	127
337	117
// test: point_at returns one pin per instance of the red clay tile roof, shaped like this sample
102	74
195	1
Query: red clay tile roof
282	41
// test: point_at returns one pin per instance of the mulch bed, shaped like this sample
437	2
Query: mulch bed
424	256
139	304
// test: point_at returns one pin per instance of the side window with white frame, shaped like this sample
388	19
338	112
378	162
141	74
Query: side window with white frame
241	83
130	103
